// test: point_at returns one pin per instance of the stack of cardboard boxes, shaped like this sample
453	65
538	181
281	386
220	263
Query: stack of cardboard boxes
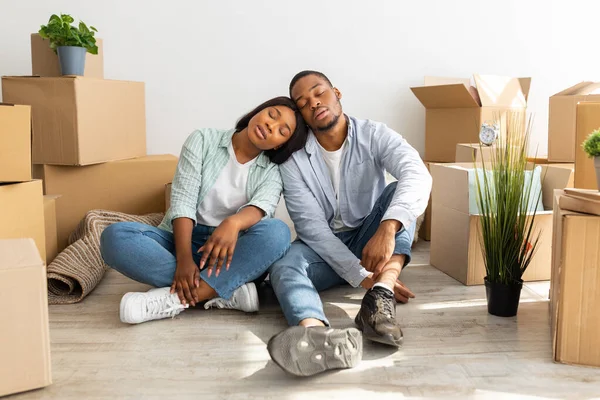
455	112
86	139
89	140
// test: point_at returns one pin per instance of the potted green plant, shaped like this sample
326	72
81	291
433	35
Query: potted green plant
591	146
71	43
504	196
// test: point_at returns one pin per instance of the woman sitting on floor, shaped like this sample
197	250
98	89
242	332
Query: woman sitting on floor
226	187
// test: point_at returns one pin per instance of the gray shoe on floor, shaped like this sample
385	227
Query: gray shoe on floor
308	351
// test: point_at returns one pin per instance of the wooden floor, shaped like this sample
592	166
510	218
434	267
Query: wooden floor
452	347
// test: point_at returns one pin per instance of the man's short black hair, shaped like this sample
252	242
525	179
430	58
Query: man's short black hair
302	74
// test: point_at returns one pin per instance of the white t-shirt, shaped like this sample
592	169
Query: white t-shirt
333	160
228	193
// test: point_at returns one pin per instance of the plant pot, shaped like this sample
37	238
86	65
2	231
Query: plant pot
72	60
503	299
597	165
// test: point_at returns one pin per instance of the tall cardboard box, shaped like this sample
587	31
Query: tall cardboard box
44	61
24	337
562	113
456	110
455	244
588	120
575	287
135	186
15	143
22	212
50	227
81	121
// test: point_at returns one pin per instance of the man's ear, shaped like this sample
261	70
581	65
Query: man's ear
338	94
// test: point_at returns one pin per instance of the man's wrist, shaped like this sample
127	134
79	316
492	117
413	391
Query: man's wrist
390	226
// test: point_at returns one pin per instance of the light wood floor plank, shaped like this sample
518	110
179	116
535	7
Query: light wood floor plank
452	347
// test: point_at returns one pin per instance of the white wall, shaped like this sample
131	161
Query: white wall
206	63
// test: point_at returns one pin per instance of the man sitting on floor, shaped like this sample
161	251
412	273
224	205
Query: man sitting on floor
351	228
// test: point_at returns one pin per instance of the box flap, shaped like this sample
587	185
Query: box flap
445	96
525	86
450	186
501	91
17	253
582	88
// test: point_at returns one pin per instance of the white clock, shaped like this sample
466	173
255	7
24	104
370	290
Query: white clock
489	133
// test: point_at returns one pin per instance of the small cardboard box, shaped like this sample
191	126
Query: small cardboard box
455	245
135	186
22	212
24	337
562	120
44	61
81	121
50	227
588	120
15	143
456	110
575	287
470	152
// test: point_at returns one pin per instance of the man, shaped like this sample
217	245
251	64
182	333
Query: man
351	228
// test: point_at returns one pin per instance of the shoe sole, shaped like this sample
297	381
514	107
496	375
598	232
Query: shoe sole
303	351
252	294
123	314
370	334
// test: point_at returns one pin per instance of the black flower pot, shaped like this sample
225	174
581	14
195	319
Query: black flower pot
503	299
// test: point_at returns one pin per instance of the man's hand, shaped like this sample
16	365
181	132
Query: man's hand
380	247
186	280
220	246
402	293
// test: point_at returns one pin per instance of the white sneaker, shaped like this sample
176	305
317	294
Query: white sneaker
244	298
137	307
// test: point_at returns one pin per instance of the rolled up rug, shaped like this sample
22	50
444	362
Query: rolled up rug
78	269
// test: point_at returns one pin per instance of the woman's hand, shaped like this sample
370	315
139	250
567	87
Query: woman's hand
186	280
220	246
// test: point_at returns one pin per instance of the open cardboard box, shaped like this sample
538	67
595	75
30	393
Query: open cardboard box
562	141
456	109
455	244
575	287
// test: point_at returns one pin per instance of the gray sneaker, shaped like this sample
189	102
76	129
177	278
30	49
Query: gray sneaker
244	298
304	351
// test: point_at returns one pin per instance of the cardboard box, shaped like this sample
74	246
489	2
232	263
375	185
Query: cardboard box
50	227
455	245
22	212
425	231
473	152
135	186
44	61
562	120
167	196
24	337
455	110
575	287
81	121
588	120
15	143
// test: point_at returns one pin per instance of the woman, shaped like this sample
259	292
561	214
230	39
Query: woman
217	237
